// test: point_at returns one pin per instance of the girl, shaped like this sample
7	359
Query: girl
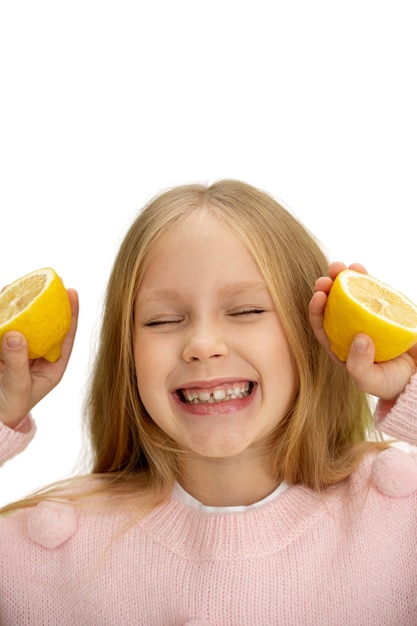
236	475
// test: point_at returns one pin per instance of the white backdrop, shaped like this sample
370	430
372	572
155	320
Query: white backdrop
105	103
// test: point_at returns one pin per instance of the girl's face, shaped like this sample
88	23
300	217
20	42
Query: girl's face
214	368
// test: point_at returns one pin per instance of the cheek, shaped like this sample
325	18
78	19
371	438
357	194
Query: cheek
147	354
152	365
286	366
145	370
293	379
147	385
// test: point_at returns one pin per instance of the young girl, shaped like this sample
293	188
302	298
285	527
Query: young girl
236	476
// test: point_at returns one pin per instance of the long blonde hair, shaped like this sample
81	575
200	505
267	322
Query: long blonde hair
324	435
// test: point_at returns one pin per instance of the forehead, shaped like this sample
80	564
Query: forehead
156	295
197	236
202	252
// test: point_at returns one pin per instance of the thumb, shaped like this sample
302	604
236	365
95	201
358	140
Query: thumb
15	352
360	361
15	378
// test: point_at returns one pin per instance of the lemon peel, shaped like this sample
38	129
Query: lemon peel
37	305
359	303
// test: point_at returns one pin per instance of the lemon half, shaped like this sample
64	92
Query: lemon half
359	303
37	305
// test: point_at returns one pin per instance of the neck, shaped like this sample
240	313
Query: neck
234	481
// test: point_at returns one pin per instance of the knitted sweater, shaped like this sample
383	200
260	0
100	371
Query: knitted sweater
345	557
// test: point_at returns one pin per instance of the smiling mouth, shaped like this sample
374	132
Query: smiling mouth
225	393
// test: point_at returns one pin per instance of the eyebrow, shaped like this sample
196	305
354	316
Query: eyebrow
234	289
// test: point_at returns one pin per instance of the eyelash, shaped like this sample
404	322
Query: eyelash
247	312
162	322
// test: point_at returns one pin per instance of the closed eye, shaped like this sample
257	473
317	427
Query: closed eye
162	322
243	312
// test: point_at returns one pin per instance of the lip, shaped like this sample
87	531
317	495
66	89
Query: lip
211	384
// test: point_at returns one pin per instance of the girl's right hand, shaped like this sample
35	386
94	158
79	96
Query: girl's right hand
24	383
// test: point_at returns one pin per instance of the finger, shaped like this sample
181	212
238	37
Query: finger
360	362
69	339
316	311
358	267
47	375
413	353
324	283
15	352
337	266
15	380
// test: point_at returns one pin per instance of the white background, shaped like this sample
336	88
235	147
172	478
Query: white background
103	104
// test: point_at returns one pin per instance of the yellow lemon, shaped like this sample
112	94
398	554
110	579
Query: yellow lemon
38	306
359	303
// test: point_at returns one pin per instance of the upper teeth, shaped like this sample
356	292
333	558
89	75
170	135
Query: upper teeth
217	395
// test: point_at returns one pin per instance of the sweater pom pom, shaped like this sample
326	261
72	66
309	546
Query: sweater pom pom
50	524
394	472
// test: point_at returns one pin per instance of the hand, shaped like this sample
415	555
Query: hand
23	383
384	380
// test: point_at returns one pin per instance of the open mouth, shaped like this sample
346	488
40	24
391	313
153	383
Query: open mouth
224	393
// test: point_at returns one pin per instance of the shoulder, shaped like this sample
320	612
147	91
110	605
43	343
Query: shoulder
70	520
394	472
391	472
374	510
48	524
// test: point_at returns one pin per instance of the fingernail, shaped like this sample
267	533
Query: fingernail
13	341
360	344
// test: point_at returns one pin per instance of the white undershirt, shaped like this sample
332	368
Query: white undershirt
182	496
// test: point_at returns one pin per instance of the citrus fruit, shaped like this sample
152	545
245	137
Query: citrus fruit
37	305
359	303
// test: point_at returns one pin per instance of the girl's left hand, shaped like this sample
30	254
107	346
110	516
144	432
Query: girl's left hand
384	380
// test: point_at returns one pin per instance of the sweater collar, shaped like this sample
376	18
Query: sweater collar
183	496
261	530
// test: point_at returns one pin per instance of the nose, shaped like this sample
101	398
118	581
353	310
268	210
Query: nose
204	342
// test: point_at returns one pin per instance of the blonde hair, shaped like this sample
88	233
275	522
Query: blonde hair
325	433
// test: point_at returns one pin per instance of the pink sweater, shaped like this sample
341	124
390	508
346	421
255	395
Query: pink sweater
345	557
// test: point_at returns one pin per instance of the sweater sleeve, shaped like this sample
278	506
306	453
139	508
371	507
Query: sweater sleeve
400	420
14	441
